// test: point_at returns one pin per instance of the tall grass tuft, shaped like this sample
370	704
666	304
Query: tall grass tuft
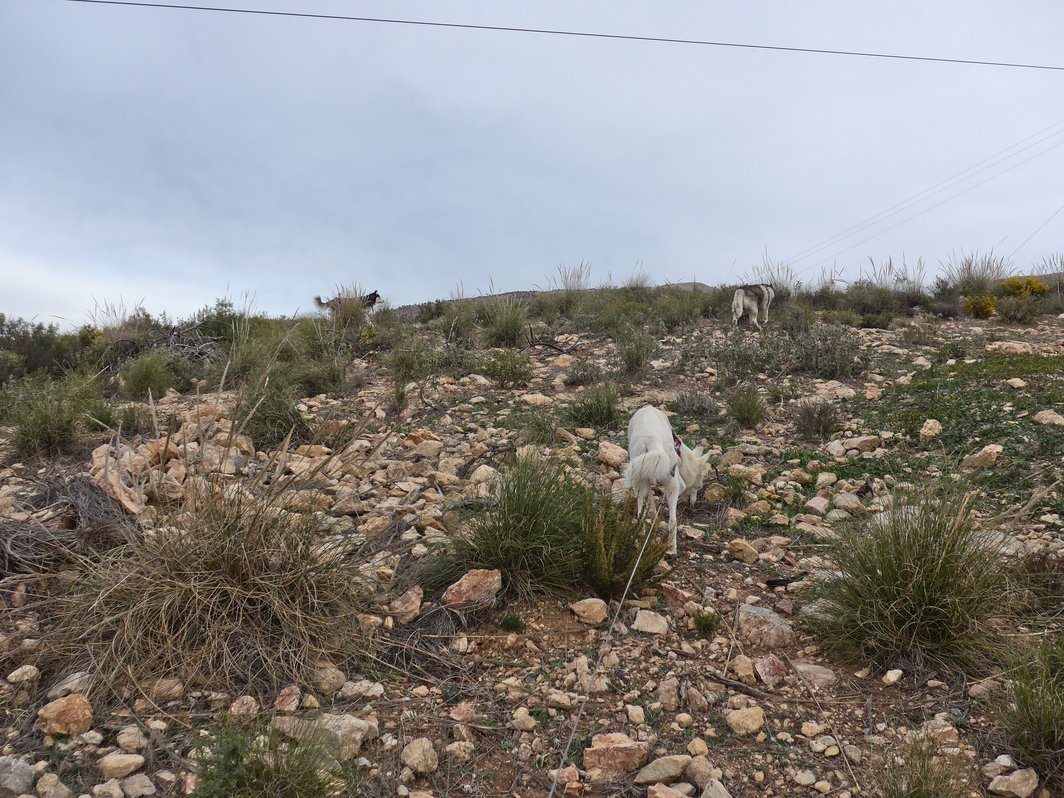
816	419
596	407
920	586
636	349
746	406
613	536
921	772
154	373
504	320
233	592
239	764
531	534
508	368
268	413
1031	713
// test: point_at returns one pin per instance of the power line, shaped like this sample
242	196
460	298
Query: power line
936	205
937	188
1038	230
573	33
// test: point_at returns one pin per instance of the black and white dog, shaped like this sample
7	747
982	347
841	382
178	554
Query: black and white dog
752	301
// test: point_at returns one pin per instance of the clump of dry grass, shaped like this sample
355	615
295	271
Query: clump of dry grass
919	771
235	592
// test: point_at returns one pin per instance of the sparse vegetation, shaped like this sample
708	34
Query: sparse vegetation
234	593
1031	711
597	406
614	536
816	419
979	307
1022	309
921	586
920	771
636	349
504	320
268	414
746	406
508	368
240	764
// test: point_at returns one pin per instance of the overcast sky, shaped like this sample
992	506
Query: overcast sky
176	156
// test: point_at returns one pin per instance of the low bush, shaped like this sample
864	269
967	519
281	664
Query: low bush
596	406
692	405
531	533
1031	712
676	308
1022	287
231	592
970	274
154	373
536	426
268	413
1019	309
816	419
979	307
503	319
584	373
746	406
239	764
828	352
918	771
707	621
636	349
414	359
922	587
50	416
613	537
844	318
508	368
458	321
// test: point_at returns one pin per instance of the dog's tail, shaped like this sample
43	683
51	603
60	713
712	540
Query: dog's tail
737	305
653	468
318	301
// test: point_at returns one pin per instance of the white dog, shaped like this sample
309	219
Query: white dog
658	457
752	301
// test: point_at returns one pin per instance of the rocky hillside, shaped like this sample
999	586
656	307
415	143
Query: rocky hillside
388	598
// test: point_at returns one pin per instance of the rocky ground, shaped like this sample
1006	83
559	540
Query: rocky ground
654	702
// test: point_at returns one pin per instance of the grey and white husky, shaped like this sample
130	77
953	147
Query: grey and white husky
752	301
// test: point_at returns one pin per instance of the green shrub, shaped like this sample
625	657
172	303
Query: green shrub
746	406
816	419
268	413
741	358
597	406
531	534
430	311
707	622
1019	309
921	586
154	373
533	425
954	349
508	368
795	319
921	772
46	422
970	274
512	622
584	373
232	592
613	536
943	308
677	308
692	405
1031	713
238	764
504	320
843	318
1022	287
979	307
828	352
636	350
414	359
459	321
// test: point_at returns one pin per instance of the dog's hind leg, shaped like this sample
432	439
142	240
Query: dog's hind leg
673	495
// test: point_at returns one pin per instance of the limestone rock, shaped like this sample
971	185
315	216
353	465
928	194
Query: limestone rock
478	586
1019	784
650	623
591	611
49	786
746	721
611	454
742	551
615	754
1049	417
70	714
664	770
931	429
762	628
342	735
117	766
420	756
16	777
984	458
